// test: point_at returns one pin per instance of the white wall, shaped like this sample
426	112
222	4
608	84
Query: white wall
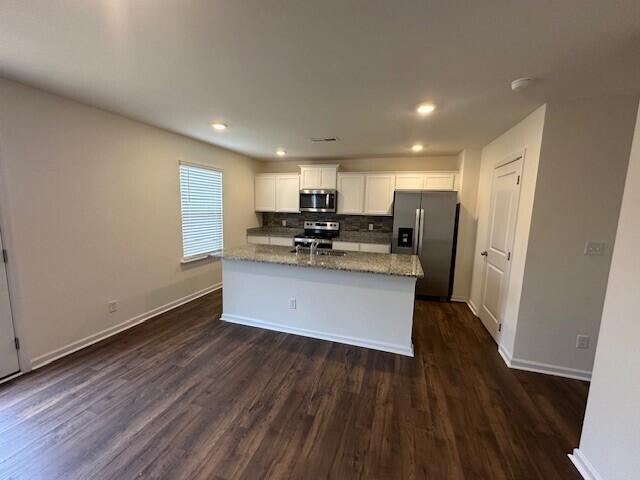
527	136
610	440
90	211
583	164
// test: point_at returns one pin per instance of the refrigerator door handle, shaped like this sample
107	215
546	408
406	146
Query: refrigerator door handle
421	231
416	232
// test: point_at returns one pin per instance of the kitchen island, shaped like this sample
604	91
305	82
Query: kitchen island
363	299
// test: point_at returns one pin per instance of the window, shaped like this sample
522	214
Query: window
201	205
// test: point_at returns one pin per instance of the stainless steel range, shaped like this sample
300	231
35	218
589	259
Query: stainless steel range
321	232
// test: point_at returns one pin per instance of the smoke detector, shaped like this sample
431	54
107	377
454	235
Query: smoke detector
521	83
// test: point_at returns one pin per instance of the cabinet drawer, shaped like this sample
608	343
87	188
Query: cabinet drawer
375	248
258	239
346	246
283	241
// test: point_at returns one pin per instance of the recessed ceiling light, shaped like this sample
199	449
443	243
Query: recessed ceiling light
219	126
425	108
417	147
280	152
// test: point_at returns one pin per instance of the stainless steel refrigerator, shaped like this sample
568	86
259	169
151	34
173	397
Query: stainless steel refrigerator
425	223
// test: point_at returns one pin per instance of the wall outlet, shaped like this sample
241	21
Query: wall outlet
292	303
582	341
284	223
113	306
594	248
370	226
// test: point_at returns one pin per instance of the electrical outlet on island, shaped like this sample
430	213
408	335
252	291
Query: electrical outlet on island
370	227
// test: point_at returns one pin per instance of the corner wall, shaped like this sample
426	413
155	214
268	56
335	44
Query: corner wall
469	161
525	136
91	213
611	432
583	163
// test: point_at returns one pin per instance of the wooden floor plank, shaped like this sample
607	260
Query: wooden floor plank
185	396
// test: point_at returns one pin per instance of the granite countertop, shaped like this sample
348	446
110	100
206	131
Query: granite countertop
379	263
275	231
345	236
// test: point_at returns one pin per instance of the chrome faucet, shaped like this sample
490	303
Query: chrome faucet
314	247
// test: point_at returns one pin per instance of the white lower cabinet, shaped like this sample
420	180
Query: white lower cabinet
375	248
266	240
282	241
258	239
346	246
362	247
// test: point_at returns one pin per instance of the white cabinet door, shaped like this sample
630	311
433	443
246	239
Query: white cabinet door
328	178
320	177
258	239
282	241
350	193
439	181
379	194
265	193
375	248
287	193
346	246
309	178
410	181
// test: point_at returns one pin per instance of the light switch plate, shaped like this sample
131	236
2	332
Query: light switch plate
582	341
594	248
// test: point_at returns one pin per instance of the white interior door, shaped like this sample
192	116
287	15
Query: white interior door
505	194
8	353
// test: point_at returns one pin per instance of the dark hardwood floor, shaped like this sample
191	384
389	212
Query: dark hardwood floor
187	396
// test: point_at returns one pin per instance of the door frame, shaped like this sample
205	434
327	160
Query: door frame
520	155
19	330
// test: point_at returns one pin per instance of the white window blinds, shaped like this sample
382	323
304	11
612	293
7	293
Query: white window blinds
201	203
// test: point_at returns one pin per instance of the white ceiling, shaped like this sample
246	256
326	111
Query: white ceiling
282	71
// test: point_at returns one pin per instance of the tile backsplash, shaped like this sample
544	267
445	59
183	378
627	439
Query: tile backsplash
349	223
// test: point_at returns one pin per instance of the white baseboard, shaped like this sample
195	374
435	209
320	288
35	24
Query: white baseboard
583	465
358	342
43	360
456	298
472	307
539	367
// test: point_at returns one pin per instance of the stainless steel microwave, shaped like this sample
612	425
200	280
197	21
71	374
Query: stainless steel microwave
318	200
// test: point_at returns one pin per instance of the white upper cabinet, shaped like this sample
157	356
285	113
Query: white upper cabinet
288	193
277	192
318	177
265	193
425	181
440	181
351	193
410	181
378	198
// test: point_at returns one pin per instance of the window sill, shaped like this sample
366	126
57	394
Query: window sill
197	258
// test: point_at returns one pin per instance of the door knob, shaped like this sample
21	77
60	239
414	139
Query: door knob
484	253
